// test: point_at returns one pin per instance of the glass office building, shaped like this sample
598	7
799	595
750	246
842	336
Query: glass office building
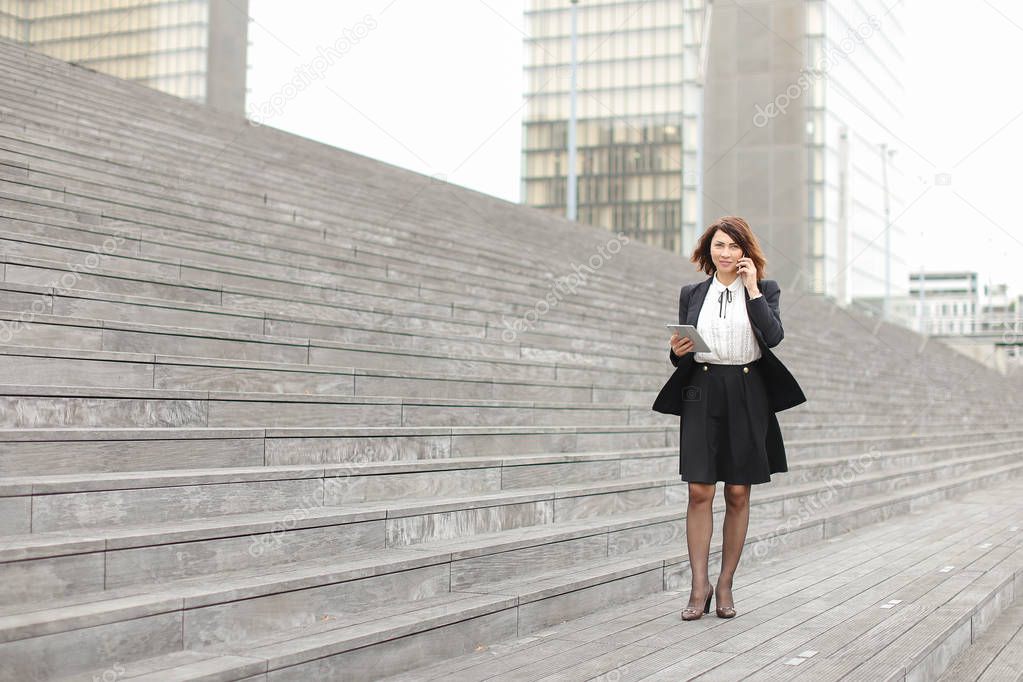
194	49
803	113
855	185
636	125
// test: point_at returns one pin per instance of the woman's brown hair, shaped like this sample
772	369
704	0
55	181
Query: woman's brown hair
739	230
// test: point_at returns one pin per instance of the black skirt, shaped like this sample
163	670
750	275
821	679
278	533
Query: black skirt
726	420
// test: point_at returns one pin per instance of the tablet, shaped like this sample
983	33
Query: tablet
684	330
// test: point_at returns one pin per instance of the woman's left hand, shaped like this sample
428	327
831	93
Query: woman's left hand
748	272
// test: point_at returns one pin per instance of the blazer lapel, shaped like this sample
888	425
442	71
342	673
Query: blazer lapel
696	301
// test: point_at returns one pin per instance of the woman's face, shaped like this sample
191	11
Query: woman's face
724	252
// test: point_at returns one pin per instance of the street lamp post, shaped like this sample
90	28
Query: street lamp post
570	198
701	83
886	304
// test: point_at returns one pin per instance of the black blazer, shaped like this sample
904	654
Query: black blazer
783	390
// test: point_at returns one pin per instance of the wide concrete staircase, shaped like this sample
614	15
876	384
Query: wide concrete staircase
266	409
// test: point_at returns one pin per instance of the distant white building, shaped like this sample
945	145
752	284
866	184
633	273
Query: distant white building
982	321
945	302
949	304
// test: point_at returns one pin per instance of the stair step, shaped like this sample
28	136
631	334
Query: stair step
812	612
70	617
996	652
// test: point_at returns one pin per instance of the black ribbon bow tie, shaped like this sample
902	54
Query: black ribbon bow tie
721	301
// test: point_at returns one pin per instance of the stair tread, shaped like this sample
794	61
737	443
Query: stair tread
53	543
205	589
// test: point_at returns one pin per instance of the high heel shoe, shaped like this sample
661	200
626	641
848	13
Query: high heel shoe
693	612
725	611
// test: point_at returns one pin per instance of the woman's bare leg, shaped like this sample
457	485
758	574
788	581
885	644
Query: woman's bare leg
699	526
734	531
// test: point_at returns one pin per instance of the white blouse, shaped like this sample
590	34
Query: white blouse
724	324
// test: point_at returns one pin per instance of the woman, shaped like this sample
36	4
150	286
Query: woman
727	398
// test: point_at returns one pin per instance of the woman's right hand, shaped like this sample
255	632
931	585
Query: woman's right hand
680	345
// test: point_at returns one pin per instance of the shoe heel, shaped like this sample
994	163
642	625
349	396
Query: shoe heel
696	614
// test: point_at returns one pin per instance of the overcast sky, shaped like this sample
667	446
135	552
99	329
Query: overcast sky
440	92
